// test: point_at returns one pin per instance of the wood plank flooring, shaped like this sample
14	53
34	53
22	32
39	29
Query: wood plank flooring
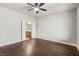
38	47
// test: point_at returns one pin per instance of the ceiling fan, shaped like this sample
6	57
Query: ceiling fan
36	7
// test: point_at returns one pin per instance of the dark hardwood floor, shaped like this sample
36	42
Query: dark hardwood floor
38	47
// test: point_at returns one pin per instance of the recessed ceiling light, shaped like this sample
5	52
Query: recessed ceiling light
29	22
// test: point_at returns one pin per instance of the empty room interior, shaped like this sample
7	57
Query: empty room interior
39	29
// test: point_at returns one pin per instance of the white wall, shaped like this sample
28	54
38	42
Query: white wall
78	26
56	27
59	27
10	25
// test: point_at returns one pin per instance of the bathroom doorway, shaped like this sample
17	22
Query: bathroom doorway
29	30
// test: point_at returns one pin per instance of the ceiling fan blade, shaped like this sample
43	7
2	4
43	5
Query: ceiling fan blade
30	9
43	9
36	4
37	12
41	4
30	4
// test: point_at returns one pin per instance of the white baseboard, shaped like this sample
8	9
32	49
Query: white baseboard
8	43
58	41
64	43
77	47
45	39
61	42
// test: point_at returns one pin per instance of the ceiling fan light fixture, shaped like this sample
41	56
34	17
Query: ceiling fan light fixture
36	9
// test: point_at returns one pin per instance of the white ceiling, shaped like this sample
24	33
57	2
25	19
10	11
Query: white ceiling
51	8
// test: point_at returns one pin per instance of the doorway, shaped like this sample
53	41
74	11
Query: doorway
29	30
